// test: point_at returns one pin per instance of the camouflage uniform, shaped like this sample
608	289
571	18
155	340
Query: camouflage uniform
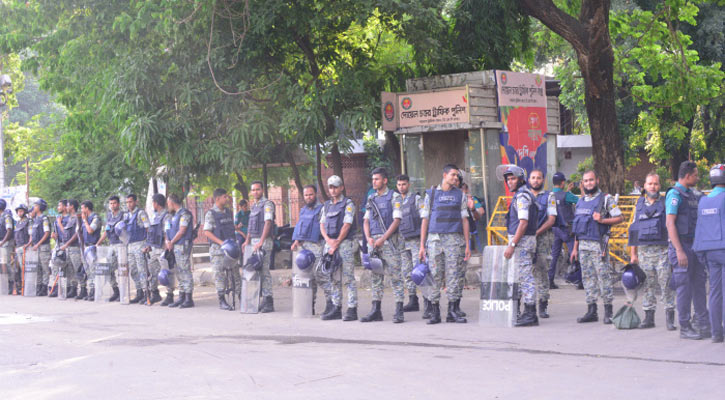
14	265
410	250
74	259
182	253
9	246
316	249
44	272
157	262
445	253
347	250
653	260
90	268
57	266
267	246
525	250
389	254
113	254
219	261
544	243
137	263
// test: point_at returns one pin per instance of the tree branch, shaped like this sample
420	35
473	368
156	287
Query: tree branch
561	23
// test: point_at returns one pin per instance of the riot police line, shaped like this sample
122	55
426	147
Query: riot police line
421	242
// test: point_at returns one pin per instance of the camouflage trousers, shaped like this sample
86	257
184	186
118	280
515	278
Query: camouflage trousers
157	262
90	270
332	284
596	274
524	259
11	267
73	265
391	265
220	263
408	260
544	242
115	249
445	257
44	275
266	282
316	249
654	262
183	274
138	265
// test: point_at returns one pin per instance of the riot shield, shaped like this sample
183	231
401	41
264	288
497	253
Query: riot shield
302	298
5	288
30	273
251	286
499	288
124	281
102	273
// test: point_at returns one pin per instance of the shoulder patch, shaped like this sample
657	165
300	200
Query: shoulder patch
674	201
397	204
348	208
267	209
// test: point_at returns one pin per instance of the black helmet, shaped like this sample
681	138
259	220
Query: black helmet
717	175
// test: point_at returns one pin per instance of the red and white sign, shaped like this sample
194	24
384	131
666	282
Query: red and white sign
517	89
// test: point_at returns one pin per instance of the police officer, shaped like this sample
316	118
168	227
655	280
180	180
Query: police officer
137	225
260	235
218	227
22	238
688	273
179	239
546	218
58	234
39	238
410	230
156	240
7	232
307	236
113	216
337	227
595	213
710	246
91	228
74	266
444	236
565	203
648	238
380	223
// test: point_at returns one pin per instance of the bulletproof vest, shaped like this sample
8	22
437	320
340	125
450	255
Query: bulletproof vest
386	213
135	228
38	230
308	226
223	224
256	219
710	230
70	229
512	217
156	232
111	221
648	227
410	222
176	225
564	210
334	217
584	226
686	213
59	229
3	229
542	204
445	211
91	238
21	232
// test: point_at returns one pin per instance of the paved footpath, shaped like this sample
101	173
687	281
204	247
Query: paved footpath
53	349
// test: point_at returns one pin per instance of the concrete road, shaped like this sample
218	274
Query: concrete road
54	349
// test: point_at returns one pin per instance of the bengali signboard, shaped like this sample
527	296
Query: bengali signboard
421	109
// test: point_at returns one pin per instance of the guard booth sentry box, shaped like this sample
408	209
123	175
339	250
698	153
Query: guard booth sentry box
499	288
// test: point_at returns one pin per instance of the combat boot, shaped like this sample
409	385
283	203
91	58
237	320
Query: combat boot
223	305
452	316
188	301
457	309
670	318
81	293
53	291
91	295
336	313
412	305
435	314
543	306
267	305
580	285
169	299
649	320
179	300
154	297
427	308
398	317
328	307
590	316
39	291
607	314
71	292
116	296
528	318
686	332
138	298
11	287
350	314
552	284
375	313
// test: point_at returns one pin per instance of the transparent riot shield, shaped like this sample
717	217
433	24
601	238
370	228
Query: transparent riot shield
427	286
124	281
251	286
30	273
302	297
5	288
102	274
499	288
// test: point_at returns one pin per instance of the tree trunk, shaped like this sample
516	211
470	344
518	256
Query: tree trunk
336	161
682	152
241	186
321	187
391	150
264	179
296	173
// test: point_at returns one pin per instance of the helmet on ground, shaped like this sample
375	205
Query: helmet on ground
90	254
254	262
231	249
633	277
305	259
419	272
373	263
717	175
42	204
164	276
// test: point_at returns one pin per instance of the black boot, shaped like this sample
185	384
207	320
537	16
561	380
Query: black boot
543	306
552	284
169	299
71	292
580	285
398	316
687	332
188	301
412	304
91	295
138	298
528	318
154	296
39	291
649	320
11	286
116	296
607	314
457	309
53	291
427	308
82	294
335	313
452	316
179	300
435	314
267	305
223	305
375	313
518	308
328	308
705	332
670	316
591	315
350	314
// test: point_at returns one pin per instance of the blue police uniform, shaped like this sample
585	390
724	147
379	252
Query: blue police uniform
565	202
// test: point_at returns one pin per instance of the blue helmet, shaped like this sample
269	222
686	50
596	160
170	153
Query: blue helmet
21	207
90	254
164	277
633	277
121	231
42	204
254	262
3	204
305	259
419	272
373	263
231	249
